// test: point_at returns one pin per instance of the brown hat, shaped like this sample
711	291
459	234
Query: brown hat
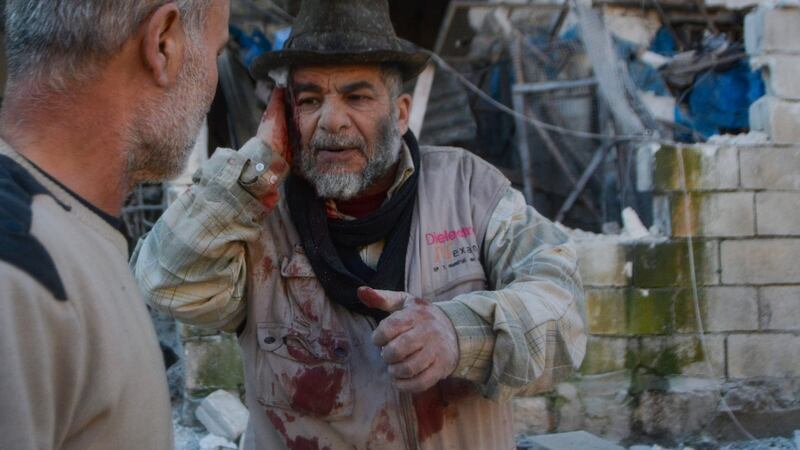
343	32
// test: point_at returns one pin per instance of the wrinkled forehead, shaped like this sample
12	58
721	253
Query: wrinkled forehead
332	76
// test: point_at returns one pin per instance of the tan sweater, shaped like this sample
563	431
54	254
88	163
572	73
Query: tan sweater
80	366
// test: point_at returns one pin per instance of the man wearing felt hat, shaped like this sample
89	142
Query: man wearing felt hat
386	295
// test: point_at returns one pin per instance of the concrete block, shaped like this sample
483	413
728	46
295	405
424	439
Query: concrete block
607	407
532	416
568	408
213	363
760	261
677	414
606	312
778	118
666	264
574	440
223	414
763	355
649	311
776	169
680	355
721	309
604	355
780	74
602	262
213	442
724	214
772	30
691	353
706	168
780	308
778	213
732	4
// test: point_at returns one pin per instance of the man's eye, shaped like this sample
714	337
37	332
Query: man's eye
309	101
358	98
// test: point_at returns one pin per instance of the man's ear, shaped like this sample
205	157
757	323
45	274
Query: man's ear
403	104
163	44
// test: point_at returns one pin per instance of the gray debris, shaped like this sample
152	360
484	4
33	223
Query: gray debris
223	414
577	440
213	442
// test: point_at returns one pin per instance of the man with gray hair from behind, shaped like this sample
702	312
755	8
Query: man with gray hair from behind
101	95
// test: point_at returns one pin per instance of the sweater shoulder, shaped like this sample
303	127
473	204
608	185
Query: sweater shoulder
18	246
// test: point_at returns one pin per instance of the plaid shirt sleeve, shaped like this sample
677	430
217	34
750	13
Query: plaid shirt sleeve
528	333
192	263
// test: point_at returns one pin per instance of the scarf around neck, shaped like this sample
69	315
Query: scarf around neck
332	246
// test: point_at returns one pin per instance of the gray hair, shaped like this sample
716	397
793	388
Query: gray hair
60	41
393	79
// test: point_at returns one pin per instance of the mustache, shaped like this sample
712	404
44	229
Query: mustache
328	141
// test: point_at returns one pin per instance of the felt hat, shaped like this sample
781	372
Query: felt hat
343	32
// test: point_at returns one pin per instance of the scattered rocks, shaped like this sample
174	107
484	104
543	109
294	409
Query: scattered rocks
223	414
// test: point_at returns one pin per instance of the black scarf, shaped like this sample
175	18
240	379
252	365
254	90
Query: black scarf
332	245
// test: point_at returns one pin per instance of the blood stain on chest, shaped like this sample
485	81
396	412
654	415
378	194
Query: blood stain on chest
266	268
316	390
299	442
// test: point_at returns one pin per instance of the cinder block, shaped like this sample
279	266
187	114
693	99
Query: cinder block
705	167
604	354
760	261
575	440
780	308
674	355
721	309
666	264
649	311
763	355
723	214
605	311
602	262
223	414
780	74
532	416
780	119
677	414
778	213
213	363
776	169
772	30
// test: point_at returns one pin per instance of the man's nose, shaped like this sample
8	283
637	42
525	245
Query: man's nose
334	118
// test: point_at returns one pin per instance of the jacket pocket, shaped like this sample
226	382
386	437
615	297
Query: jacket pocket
305	291
305	372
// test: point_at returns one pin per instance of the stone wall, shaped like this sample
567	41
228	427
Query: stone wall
647	373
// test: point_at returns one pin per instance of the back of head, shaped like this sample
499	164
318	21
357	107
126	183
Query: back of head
54	43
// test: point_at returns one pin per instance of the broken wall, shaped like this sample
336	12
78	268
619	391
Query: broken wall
649	371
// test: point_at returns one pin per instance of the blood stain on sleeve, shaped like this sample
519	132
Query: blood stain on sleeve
434	406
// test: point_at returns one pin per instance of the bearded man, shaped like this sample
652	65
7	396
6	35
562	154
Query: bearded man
100	96
386	295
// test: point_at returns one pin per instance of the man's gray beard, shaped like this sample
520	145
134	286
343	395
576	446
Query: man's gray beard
164	133
341	185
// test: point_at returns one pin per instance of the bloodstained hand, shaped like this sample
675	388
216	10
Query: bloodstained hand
273	129
418	340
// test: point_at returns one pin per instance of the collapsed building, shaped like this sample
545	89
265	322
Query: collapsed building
664	134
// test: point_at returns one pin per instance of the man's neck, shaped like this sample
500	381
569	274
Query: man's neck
77	141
